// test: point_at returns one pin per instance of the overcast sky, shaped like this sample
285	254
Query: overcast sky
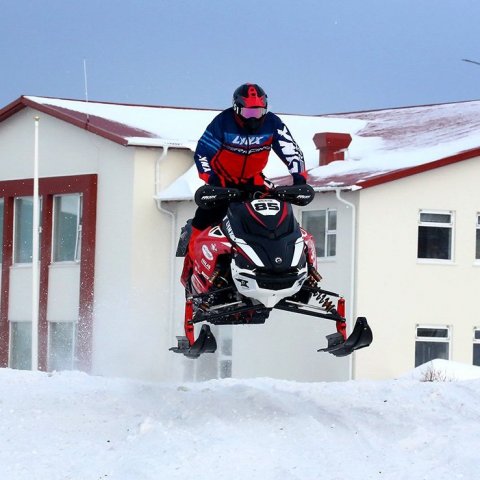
311	56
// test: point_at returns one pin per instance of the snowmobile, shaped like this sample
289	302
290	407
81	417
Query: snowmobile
258	259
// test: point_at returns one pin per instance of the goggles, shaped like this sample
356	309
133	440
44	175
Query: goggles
252	112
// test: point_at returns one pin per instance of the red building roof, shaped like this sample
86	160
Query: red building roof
386	144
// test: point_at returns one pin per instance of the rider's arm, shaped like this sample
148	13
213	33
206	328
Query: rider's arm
289	152
207	147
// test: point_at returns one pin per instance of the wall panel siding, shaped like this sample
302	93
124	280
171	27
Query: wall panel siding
394	289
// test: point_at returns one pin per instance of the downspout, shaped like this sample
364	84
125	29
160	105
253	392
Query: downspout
173	223
352	271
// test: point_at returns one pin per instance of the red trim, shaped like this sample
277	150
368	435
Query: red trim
347	180
204	176
114	131
406	172
5	284
252	213
86	184
284	214
87	274
341	326
188	324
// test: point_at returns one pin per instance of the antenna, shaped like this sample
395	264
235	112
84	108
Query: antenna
470	61
85	79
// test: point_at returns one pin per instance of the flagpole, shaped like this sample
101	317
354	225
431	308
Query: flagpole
35	256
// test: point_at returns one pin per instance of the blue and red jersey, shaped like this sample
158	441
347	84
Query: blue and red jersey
237	156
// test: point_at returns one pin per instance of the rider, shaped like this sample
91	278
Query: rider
234	150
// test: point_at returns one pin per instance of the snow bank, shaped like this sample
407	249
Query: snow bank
72	426
444	370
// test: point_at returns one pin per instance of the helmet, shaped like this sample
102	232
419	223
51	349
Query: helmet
250	105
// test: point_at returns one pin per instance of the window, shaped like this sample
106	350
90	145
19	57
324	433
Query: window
23	228
431	343
322	224
61	345
67	210
435	235
1	227
477	243
476	346
21	345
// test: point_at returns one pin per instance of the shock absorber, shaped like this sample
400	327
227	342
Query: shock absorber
314	277
324	300
341	325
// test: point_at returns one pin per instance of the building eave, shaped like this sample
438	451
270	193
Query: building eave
425	167
82	121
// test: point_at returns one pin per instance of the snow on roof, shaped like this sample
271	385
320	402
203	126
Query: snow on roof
386	144
135	125
408	138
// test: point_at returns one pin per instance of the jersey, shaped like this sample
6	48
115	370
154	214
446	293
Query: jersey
238	156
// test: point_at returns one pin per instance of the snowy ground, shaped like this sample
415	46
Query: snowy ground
77	427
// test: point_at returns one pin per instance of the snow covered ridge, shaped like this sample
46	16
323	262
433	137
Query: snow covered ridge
444	371
71	426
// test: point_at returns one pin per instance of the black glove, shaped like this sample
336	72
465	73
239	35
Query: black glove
298	179
214	180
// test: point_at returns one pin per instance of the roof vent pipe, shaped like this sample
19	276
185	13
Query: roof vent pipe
332	146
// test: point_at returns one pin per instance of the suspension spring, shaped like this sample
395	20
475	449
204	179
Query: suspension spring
324	300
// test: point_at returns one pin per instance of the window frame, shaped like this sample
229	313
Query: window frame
78	238
15	263
328	234
450	225
51	360
15	360
446	340
476	343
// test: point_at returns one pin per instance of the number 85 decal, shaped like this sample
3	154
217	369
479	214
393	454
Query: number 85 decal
266	207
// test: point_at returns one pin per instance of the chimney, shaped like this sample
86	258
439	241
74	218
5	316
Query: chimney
332	146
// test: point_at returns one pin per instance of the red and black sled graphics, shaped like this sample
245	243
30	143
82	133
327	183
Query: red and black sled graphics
258	259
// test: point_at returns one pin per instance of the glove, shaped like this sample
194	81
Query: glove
214	180
298	179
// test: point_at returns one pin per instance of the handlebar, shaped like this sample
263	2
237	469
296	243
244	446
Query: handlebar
208	196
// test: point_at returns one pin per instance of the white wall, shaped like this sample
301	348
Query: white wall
63	148
395	291
63	289
134	255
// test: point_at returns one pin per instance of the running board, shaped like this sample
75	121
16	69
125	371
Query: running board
205	343
361	337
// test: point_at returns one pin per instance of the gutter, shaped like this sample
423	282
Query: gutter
352	270
334	188
173	227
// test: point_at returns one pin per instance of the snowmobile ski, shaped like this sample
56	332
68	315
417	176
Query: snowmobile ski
205	343
361	337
